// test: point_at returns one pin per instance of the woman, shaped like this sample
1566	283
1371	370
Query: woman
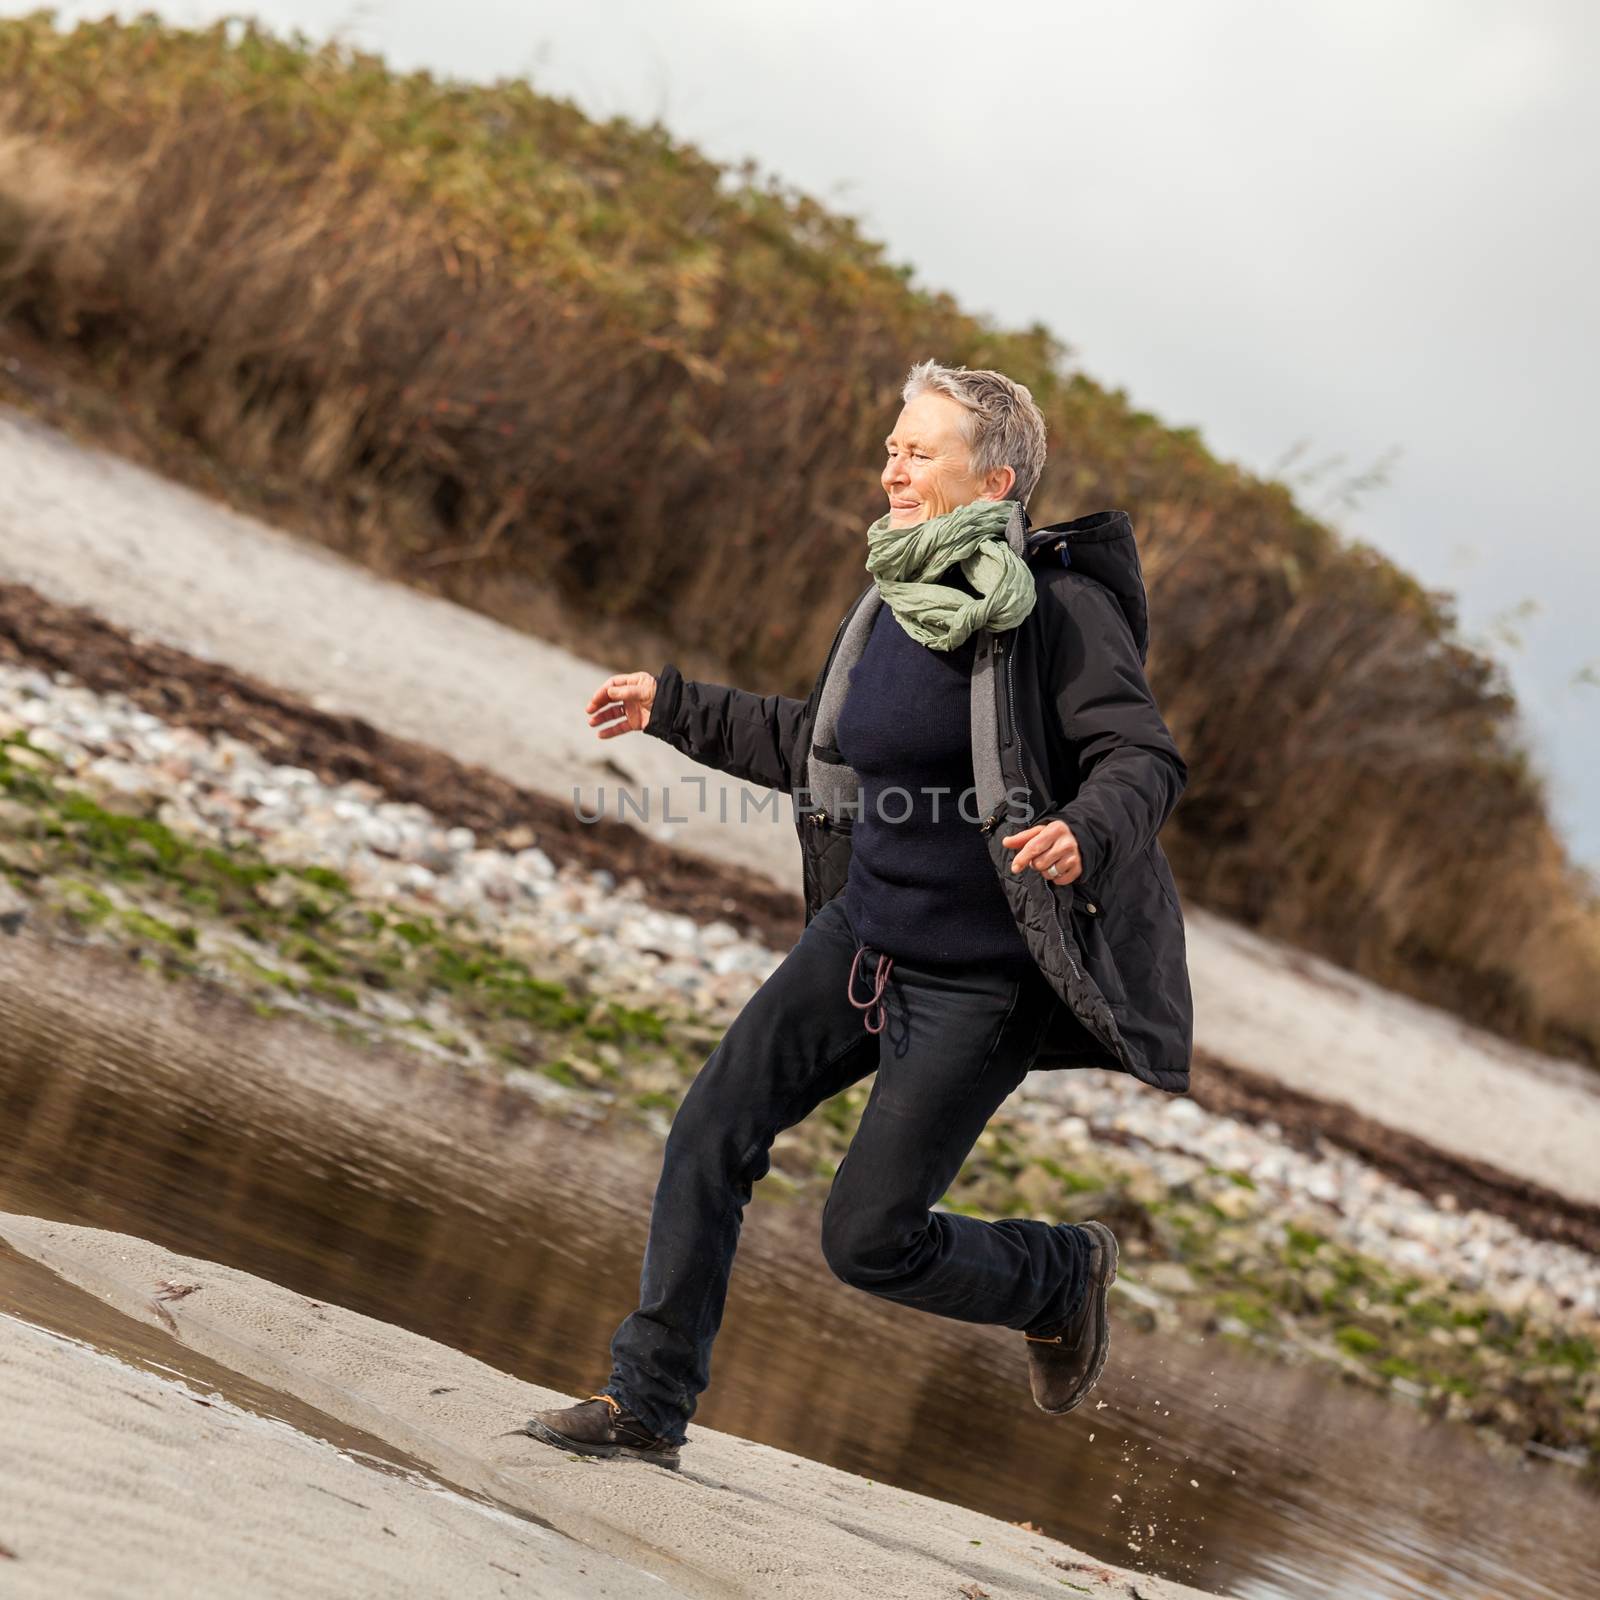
983	671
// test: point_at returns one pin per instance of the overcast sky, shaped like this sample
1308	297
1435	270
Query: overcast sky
1352	226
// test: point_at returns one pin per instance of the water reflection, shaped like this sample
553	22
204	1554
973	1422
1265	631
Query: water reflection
452	1209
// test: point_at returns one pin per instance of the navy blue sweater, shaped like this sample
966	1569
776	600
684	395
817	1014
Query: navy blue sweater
921	889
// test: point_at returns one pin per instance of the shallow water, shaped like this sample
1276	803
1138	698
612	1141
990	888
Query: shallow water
521	1245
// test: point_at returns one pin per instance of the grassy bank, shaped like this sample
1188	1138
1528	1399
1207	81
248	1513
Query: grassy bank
423	320
1207	1255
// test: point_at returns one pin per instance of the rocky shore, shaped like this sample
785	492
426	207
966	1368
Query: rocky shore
211	863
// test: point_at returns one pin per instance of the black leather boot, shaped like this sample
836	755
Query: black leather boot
601	1426
1065	1361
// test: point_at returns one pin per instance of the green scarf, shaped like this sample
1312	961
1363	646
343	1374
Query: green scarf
902	559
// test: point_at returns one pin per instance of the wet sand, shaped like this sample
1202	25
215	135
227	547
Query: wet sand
119	1482
178	1488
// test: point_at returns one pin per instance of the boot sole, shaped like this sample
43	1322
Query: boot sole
537	1430
1102	1335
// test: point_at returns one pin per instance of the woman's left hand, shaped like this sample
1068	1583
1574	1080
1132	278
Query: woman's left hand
1045	846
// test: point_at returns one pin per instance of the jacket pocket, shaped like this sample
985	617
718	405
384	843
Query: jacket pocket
1087	915
825	857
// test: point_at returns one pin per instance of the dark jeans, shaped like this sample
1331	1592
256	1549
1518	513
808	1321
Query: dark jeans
956	1042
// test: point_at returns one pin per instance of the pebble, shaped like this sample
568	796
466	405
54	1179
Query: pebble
1351	1202
220	789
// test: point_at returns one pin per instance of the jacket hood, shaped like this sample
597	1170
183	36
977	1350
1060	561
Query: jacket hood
1100	546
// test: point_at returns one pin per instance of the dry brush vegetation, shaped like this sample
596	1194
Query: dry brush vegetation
582	378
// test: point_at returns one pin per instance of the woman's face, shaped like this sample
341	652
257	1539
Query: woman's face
928	468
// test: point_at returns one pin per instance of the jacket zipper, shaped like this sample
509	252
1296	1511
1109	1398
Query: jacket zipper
1008	702
1011	693
1007	717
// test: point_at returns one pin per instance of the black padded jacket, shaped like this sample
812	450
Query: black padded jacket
1064	724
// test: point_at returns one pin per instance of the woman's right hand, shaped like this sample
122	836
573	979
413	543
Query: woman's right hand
622	704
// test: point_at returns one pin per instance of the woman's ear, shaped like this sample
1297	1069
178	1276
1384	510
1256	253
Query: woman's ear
997	482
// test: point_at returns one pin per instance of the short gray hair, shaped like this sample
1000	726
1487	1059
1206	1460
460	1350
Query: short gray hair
1003	427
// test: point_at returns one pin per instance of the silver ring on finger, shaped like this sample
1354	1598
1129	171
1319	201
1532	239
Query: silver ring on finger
1050	872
